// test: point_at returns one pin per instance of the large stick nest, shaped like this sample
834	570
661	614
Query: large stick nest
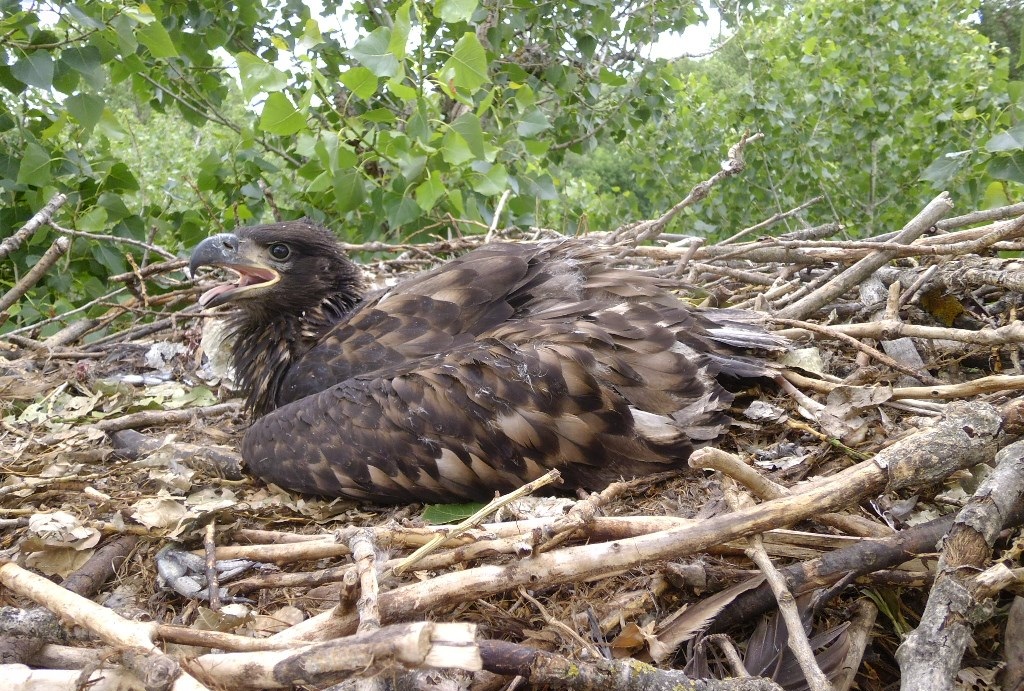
894	425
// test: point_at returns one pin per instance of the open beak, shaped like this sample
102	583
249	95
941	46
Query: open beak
227	251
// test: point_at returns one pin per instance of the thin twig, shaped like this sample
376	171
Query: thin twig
768	222
497	216
474	520
36	273
633	234
859	345
115	239
799	645
35	223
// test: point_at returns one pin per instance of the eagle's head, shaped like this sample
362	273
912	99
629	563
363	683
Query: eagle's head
283	268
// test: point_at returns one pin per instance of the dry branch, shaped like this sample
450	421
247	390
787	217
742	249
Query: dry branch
35	274
108	626
859	635
860	559
552	476
364	554
539	667
769	222
798	643
152	418
16	240
715	459
421	645
928	217
930	656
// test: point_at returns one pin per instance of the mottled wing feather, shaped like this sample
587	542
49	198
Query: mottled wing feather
428	314
483	418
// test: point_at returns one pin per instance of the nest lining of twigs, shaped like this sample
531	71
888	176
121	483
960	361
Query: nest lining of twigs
856	391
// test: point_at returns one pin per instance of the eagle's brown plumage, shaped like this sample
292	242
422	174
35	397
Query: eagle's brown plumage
471	378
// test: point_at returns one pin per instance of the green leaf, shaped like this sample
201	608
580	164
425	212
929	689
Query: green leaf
403	91
155	37
533	123
56	127
429	191
119	179
35	166
451	11
536	147
494	181
9	82
92	221
1020	51
944	168
379	115
454	149
467	67
411	166
402	211
468	126
541	187
34	69
87	61
487	101
110	127
311	36
439	514
124	33
43	37
525	98
106	255
258	75
611	79
373	52
400	31
321	183
456	202
418	125
586	44
360	81
349	192
86	108
995	196
117	211
65	79
1008	167
1010	140
280	116
81	17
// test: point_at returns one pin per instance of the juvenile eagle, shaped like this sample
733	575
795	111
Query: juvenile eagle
473	377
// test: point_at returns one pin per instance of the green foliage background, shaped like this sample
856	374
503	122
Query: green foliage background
165	121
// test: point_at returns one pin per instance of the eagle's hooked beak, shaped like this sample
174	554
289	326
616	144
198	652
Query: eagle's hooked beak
226	250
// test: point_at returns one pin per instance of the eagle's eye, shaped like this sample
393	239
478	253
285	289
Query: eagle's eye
279	251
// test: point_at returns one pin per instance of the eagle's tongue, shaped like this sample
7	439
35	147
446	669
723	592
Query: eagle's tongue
205	298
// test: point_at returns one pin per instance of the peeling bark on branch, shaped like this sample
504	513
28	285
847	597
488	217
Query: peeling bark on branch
930	656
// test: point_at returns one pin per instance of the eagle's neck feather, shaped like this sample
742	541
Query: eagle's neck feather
268	342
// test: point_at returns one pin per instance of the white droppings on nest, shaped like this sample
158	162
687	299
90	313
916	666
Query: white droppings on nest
534	507
160	355
216	347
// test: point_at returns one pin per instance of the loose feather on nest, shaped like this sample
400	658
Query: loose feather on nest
474	377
